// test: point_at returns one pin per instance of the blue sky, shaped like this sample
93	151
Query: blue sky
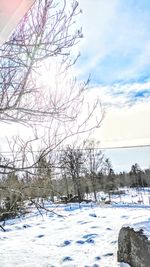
115	51
116	42
123	159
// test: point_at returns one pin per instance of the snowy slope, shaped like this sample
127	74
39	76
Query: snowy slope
82	237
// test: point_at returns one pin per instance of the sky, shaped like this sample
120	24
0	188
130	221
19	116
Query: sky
115	53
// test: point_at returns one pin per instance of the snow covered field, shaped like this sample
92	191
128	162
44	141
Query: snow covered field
84	236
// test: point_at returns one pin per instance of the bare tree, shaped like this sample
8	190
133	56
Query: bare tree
110	181
53	111
71	161
44	33
94	163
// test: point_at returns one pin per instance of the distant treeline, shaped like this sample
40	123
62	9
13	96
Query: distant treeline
75	172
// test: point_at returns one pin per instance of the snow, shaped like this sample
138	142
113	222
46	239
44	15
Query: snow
83	236
144	225
124	264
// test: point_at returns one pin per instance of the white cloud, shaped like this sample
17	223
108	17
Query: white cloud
121	95
126	126
127	119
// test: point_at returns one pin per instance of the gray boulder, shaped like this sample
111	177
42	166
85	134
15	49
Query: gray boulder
133	247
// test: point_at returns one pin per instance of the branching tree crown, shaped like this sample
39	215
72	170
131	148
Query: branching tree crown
45	36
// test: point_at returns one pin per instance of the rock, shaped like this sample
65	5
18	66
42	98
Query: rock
133	247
